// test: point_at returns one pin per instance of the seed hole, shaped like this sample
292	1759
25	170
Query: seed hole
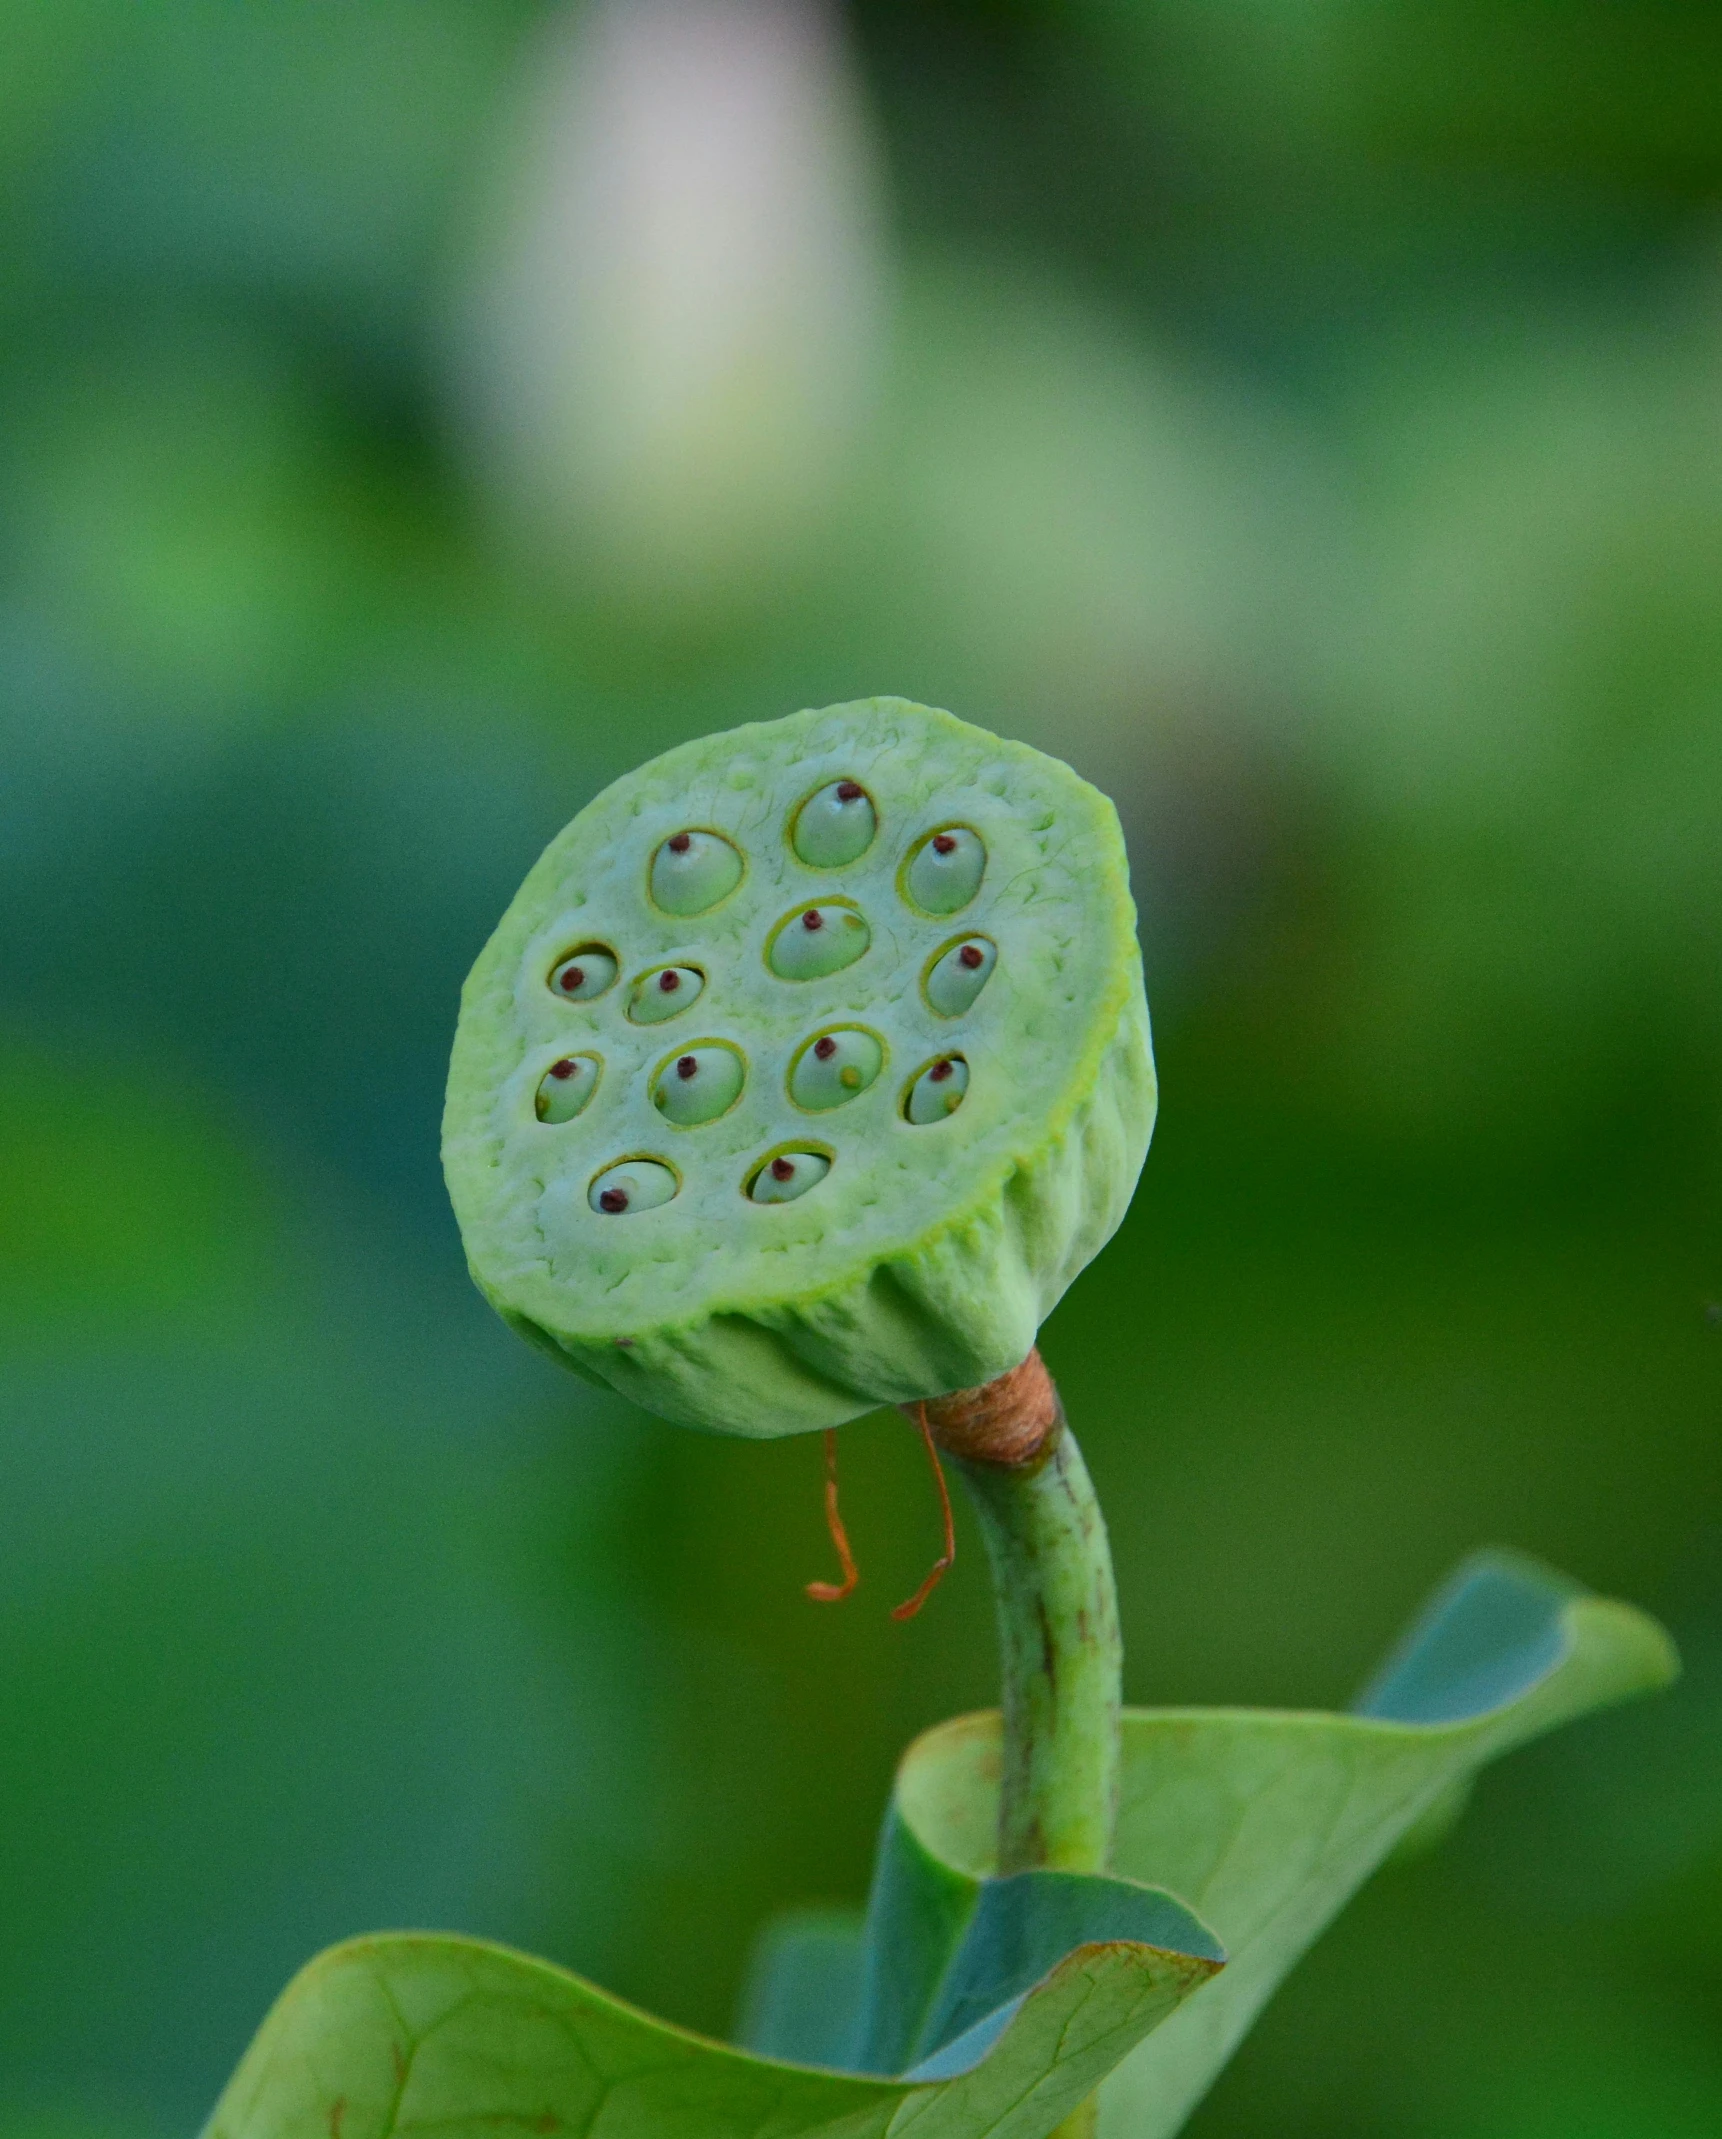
694	871
566	1086
583	973
786	1175
938	1090
816	940
957	975
944	872
699	1084
664	993
836	1067
632	1185
834	826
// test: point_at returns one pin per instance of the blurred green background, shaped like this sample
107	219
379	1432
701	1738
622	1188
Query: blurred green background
1304	417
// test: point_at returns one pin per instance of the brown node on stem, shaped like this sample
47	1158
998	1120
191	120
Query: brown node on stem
1009	1421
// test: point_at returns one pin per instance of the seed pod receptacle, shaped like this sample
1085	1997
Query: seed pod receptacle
956	1206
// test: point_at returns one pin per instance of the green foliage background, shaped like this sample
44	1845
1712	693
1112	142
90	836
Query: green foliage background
1306	419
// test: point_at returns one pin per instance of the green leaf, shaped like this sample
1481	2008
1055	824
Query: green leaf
946	1956
803	1988
399	2034
1021	1929
1266	1823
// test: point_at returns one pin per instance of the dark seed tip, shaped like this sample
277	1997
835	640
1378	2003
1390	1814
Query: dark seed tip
564	1068
680	843
687	1067
971	955
825	1048
943	843
782	1169
813	918
574	977
668	983
850	790
939	1072
614	1199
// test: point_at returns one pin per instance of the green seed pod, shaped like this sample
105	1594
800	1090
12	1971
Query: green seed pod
679	1236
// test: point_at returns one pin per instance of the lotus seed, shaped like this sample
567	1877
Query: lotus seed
584	973
938	1091
816	940
700	1085
945	871
959	974
566	1086
835	826
790	1174
634	1185
693	871
664	994
838	1066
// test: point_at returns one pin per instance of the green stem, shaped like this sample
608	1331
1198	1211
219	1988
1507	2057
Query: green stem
1062	1659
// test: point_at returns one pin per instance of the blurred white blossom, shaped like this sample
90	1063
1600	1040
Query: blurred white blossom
667	341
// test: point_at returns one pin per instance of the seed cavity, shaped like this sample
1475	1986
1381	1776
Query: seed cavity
584	973
566	1086
836	1067
693	871
944	871
816	940
699	1084
938	1091
834	826
633	1185
786	1175
958	974
663	993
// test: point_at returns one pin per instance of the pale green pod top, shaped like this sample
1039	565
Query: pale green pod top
883	1149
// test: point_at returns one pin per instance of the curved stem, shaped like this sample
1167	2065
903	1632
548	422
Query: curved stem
1057	1618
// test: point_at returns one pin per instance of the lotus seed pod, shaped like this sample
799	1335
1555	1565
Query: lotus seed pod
763	1281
